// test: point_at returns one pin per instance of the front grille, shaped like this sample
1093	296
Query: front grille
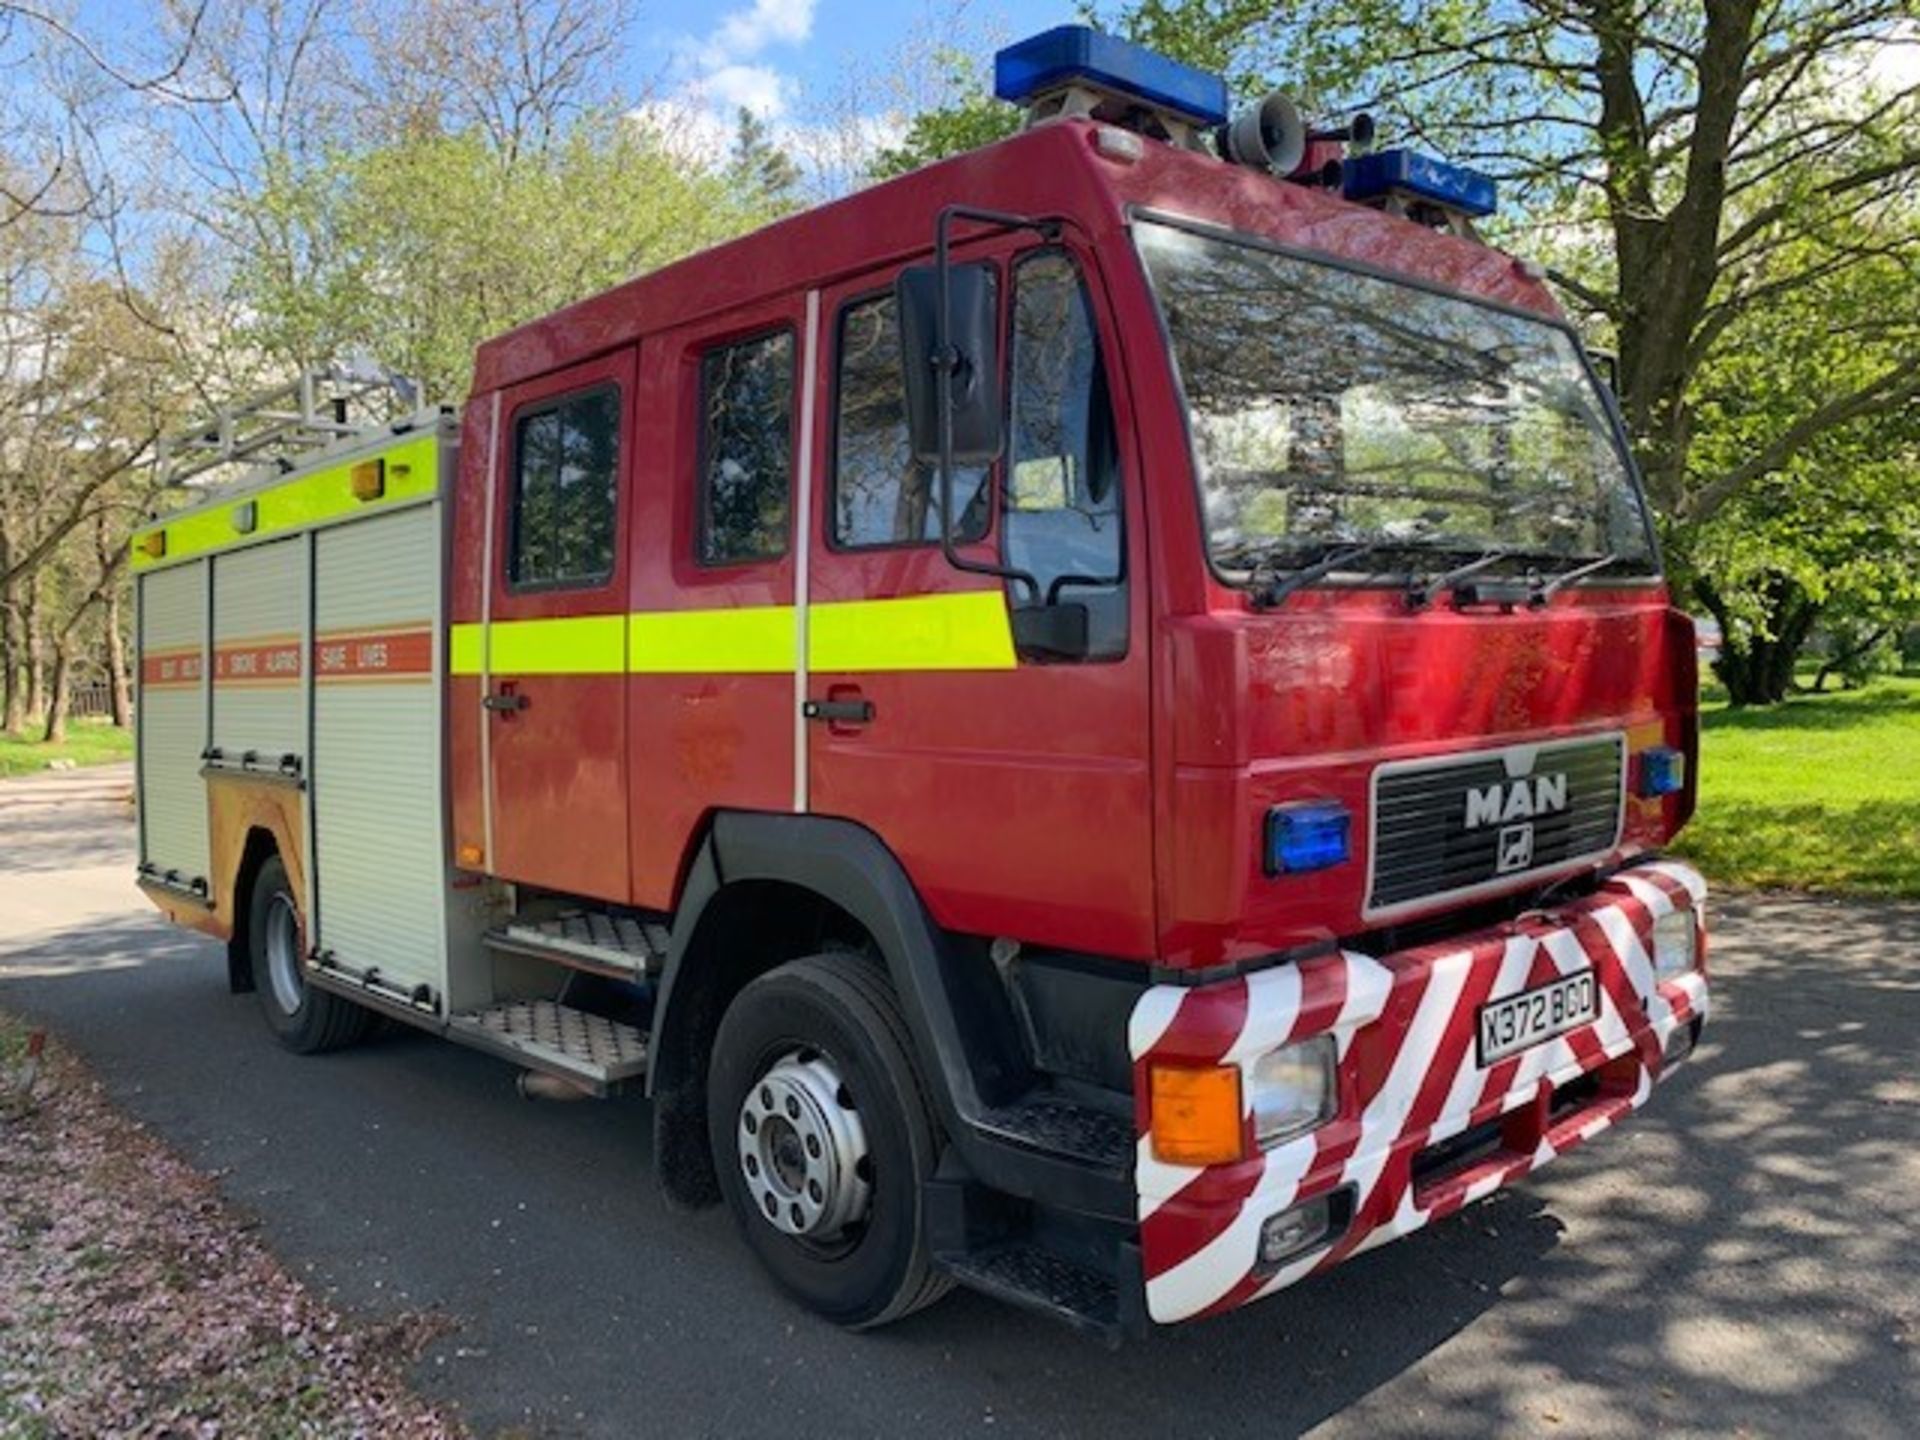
1461	822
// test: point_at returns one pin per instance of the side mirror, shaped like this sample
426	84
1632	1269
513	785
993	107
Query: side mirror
972	342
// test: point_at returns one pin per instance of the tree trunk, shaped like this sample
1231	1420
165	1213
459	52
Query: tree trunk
1846	655
118	685
36	650
13	700
1758	670
11	708
58	697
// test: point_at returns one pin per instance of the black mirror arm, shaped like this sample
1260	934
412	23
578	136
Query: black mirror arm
946	363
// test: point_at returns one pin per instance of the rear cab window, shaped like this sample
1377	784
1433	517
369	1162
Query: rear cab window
746	449
566	469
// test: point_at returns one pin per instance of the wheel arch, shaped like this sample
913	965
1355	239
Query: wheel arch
259	846
764	889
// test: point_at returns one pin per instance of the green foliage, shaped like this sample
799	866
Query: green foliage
760	169
1832	539
971	118
1809	795
414	251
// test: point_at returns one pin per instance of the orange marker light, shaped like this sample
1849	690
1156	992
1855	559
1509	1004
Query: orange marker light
470	854
369	479
1196	1114
155	545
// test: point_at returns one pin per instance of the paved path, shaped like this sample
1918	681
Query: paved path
1744	1256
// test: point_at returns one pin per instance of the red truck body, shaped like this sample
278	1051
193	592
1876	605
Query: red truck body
1106	978
1169	755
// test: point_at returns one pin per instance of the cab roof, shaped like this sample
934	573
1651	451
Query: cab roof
1052	169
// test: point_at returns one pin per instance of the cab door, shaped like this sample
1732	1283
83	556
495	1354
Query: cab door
713	650
1013	785
555	693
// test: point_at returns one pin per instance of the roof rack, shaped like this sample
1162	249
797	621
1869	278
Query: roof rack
279	428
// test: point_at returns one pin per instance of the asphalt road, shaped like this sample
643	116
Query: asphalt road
1743	1257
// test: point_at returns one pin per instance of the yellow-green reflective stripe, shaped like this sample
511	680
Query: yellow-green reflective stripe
571	645
412	470
467	649
921	632
750	640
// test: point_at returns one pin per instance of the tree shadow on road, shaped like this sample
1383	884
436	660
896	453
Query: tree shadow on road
1744	1253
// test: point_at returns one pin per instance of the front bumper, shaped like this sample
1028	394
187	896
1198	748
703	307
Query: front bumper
1422	1129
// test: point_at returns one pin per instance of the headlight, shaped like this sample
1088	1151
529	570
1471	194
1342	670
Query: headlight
1293	1089
1674	937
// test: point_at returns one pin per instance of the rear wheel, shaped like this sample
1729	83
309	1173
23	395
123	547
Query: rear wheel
304	1019
822	1136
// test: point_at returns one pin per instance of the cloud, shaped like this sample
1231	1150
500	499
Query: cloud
745	33
725	68
758	88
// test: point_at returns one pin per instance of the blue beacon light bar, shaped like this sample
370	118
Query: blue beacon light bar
1079	53
1367	177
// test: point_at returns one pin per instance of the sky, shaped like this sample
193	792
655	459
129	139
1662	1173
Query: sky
772	56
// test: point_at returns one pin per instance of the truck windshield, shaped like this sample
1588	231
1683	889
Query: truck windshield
1331	409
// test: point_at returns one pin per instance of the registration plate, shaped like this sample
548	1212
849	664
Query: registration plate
1520	1021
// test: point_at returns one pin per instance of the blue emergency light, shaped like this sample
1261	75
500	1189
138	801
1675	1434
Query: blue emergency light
1454	187
1663	771
1079	54
1309	836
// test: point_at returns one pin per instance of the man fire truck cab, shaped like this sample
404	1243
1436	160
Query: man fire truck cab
1097	719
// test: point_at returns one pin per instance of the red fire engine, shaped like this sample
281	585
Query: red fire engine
1097	720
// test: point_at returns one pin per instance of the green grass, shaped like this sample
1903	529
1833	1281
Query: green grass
88	742
1819	793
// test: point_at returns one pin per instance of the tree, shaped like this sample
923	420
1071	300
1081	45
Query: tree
762	170
87	385
1690	168
966	118
413	252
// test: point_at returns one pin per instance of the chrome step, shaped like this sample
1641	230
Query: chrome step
619	946
558	1039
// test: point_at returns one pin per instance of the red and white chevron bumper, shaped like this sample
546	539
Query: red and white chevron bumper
1405	1031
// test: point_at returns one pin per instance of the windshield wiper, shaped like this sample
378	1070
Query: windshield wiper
1543	588
1267	589
1419	592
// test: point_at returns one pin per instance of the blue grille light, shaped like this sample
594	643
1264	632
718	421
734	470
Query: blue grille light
1307	837
1079	53
1663	771
1367	177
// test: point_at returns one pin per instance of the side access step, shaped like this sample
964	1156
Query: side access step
1035	1279
620	947
592	1050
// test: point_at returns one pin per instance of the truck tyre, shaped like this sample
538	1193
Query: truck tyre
304	1019
822	1137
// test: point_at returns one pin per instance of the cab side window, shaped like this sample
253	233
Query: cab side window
566	478
1061	504
746	449
881	494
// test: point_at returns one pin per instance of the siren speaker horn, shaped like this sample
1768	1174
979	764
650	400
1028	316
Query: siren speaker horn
1271	136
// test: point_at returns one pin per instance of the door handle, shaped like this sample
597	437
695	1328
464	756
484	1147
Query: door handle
839	712
506	702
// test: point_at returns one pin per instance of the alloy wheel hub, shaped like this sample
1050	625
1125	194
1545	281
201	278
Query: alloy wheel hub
803	1150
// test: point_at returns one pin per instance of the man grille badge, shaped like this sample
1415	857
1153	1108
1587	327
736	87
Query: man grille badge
1516	849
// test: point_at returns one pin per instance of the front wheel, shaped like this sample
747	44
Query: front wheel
822	1136
304	1019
